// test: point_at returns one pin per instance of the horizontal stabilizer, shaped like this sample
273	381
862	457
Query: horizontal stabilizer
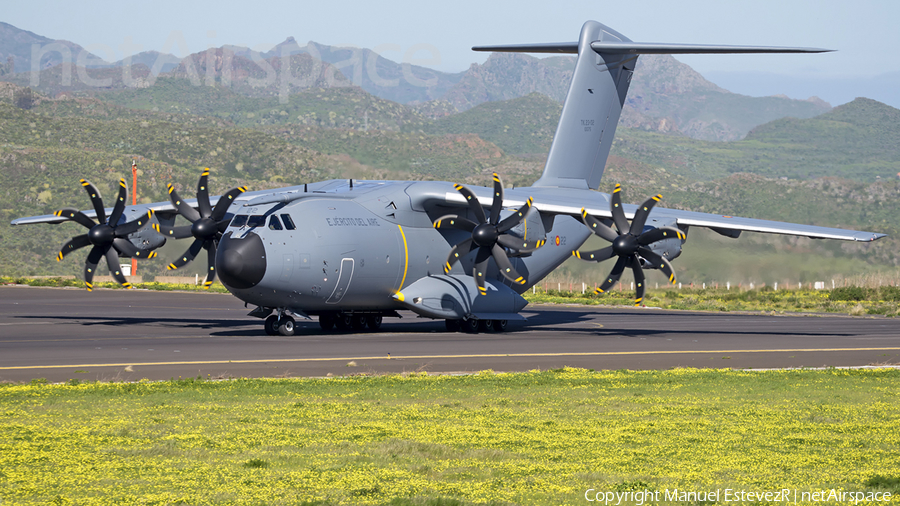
657	48
551	47
605	47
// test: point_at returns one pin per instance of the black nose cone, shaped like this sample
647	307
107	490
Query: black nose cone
241	263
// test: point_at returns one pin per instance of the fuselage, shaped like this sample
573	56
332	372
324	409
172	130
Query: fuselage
333	247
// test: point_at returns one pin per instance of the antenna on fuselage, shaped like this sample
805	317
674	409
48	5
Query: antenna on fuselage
304	188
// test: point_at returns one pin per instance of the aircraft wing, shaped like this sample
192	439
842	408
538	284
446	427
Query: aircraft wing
570	202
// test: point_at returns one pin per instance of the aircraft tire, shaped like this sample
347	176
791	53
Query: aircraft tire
343	321
286	326
470	326
452	325
358	322
374	322
499	325
326	321
271	325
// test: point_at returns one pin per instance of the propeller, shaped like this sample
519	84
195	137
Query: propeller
108	238
207	224
490	236
629	243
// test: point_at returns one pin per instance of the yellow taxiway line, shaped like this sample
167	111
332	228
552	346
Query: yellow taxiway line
432	357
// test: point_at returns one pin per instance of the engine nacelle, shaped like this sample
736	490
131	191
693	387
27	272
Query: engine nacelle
145	238
670	249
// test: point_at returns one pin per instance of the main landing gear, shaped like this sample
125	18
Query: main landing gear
357	322
473	326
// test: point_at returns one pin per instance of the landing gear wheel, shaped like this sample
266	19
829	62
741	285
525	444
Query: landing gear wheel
484	326
373	322
326	321
452	325
343	321
470	326
271	325
286	326
358	322
499	325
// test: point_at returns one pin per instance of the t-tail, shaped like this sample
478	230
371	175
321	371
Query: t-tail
603	70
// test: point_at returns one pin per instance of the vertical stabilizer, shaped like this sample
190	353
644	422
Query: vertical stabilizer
590	114
603	71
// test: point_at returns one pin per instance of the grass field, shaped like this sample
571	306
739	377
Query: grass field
526	438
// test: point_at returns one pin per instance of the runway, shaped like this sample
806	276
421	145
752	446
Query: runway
63	334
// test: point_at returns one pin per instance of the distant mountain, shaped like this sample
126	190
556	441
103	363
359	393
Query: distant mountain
68	78
263	78
399	82
18	44
506	76
154	60
836	90
665	95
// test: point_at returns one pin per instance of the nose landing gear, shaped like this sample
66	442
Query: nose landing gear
284	326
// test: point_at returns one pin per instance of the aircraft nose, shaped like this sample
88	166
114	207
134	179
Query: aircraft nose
241	262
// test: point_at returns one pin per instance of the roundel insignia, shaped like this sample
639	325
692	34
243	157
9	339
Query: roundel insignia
557	240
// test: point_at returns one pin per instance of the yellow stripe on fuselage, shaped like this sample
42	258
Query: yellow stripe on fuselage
406	258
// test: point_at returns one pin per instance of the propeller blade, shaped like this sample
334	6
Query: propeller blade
125	247
225	202
613	275
638	281
598	227
618	213
520	245
73	244
76	216
203	194
461	249
505	265
185	210
476	208
115	268
180	232
189	255
96	200
481	265
640	217
595	255
454	221
659	234
90	266
134	225
497	204
659	262
119	207
515	218
211	264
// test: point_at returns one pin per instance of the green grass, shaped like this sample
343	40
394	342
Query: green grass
525	438
848	300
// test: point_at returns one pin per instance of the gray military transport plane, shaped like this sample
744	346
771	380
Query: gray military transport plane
352	252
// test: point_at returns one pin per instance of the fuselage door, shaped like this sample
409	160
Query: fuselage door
343	282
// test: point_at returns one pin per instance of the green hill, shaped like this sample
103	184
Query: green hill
519	126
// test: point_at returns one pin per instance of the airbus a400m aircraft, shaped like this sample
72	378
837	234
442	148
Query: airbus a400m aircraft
352	252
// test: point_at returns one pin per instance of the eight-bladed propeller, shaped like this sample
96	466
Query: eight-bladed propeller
109	239
629	244
207	224
489	235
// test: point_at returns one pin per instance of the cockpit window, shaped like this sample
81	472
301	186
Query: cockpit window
288	222
274	224
239	220
256	221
